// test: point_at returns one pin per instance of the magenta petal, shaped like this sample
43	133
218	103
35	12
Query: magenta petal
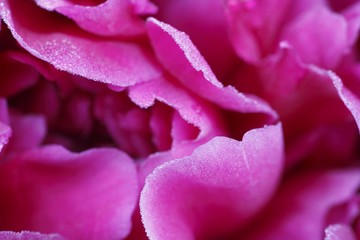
5	133
113	17
5	130
323	39
201	28
25	235
90	195
339	232
25	128
352	16
15	76
299	209
194	112
351	101
179	56
254	25
214	190
70	49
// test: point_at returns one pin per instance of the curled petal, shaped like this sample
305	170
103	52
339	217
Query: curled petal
180	57
90	195
200	28
254	25
312	36
191	110
113	17
351	101
69	49
299	209
215	190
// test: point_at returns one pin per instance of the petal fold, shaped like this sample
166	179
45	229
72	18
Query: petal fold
88	195
70	49
181	58
216	189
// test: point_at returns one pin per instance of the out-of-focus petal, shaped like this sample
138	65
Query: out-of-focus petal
215	190
180	57
305	98
28	132
319	37
5	130
112	17
352	16
5	133
254	25
70	49
209	34
26	235
339	232
15	76
299	209
90	195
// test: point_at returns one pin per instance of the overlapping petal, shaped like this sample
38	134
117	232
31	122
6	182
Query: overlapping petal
258	27
181	58
209	34
112	17
90	195
68	48
216	189
300	208
310	33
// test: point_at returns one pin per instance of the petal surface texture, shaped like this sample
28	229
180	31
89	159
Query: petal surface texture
216	189
88	195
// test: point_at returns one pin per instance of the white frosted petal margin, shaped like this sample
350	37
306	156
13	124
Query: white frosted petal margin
351	101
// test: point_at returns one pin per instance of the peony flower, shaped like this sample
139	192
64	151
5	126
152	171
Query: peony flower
160	120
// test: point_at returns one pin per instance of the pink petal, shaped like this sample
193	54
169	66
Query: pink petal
160	124
323	39
26	235
215	190
317	124
341	6
5	130
207	33
4	111
191	110
126	123
181	58
254	26
15	76
202	119
345	213
352	16
5	133
299	209
27	132
339	232
351	101
113	17
181	130
90	195
68	48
